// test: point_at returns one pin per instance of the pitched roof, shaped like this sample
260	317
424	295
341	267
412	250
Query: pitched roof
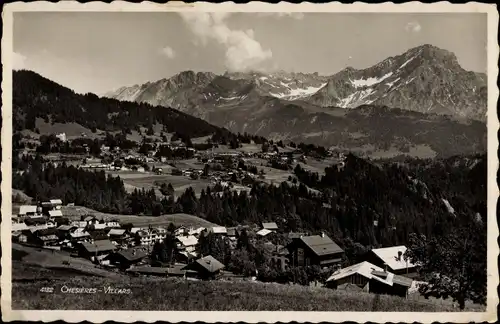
19	227
188	240
133	254
79	223
46	232
77	234
371	271
264	232
33	229
55	213
196	231
56	201
116	231
98	246
65	227
390	256
218	230
23	210
270	226
210	264
364	269
321	245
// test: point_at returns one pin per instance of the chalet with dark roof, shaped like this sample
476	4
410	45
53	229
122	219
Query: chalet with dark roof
127	258
315	250
206	268
45	237
96	250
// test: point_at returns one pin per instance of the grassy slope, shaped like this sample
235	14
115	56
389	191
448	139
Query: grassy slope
26	258
177	294
76	212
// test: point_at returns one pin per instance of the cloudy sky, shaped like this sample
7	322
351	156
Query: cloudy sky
98	52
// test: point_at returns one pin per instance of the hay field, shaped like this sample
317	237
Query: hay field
177	294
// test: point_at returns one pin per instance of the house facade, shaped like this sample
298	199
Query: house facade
315	250
150	237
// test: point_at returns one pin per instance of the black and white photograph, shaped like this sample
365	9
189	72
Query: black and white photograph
225	158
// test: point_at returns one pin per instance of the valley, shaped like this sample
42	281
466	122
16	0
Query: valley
245	175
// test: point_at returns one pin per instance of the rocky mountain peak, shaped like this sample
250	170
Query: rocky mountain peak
425	79
189	77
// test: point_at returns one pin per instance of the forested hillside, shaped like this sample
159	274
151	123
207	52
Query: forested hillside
363	202
35	96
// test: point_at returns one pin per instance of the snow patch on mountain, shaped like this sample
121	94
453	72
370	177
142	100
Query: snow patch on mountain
356	99
408	81
408	61
360	83
390	84
297	93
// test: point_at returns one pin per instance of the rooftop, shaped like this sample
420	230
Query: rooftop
321	245
133	254
23	210
264	232
98	246
210	264
390	256
270	226
364	269
55	213
218	230
188	240
116	231
65	227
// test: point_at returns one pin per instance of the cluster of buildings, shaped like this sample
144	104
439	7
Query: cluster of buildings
107	243
385	271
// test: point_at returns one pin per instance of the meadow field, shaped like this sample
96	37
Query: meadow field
154	293
27	260
76	212
138	180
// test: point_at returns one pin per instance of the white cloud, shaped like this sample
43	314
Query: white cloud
243	51
168	52
18	61
413	26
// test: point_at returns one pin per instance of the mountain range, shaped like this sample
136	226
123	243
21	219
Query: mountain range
417	97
